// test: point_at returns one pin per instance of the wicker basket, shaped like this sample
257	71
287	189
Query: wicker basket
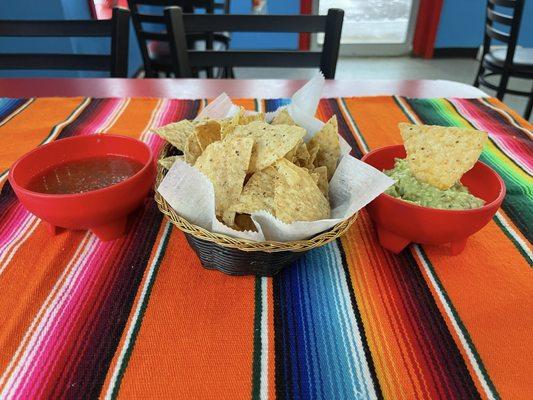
239	256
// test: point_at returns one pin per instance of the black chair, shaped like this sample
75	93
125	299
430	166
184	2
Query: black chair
117	29
179	24
509	61
154	43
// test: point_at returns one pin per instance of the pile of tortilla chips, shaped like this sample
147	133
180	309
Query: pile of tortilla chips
439	155
254	165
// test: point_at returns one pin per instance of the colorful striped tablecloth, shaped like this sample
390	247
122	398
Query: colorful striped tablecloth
139	318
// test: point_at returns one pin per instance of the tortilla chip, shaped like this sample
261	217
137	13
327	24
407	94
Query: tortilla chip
312	148
245	119
225	164
167	162
258	193
321	174
228	125
192	149
302	155
176	133
329	147
283	118
291	155
297	196
271	142
439	156
207	133
243	222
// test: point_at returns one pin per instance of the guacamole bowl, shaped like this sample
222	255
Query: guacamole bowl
400	222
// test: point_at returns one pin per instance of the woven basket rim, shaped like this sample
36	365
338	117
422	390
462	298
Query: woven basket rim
238	243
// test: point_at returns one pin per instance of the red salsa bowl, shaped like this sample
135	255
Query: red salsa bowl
103	210
400	222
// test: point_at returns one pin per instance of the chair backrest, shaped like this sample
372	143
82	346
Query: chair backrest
116	28
510	22
151	27
179	24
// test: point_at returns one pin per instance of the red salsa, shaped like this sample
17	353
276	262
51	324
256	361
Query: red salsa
84	175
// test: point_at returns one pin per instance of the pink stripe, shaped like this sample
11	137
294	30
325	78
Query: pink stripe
50	349
100	120
502	135
14	225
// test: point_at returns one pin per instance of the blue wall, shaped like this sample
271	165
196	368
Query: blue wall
462	22
58	9
254	40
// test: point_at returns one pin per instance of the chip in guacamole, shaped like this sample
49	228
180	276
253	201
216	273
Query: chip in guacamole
408	188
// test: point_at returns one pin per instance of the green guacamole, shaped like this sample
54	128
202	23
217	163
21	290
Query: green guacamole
408	188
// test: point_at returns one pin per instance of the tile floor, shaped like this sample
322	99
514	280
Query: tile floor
454	69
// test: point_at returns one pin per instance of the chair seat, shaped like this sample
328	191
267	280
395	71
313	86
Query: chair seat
522	62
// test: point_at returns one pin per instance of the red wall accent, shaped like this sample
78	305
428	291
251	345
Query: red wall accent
304	42
427	24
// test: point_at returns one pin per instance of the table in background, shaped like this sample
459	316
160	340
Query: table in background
211	88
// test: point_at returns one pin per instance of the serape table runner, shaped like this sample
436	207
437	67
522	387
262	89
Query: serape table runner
139	318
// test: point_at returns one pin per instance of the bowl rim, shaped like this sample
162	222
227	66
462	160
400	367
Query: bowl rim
405	203
32	152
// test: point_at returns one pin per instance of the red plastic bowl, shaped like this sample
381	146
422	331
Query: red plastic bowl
400	223
104	211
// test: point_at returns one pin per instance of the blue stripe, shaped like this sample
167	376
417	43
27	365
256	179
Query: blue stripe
8	105
318	331
274	104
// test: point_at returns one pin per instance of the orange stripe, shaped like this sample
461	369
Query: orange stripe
452	331
248	104
134	306
271	343
377	119
196	339
29	128
134	118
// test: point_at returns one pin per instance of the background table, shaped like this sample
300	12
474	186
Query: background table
205	88
140	318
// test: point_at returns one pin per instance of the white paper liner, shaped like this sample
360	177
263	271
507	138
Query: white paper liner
353	185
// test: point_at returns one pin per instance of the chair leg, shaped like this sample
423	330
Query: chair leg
529	106
228	73
503	86
480	72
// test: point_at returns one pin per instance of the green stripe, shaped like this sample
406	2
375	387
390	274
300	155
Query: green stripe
256	357
457	319
144	304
